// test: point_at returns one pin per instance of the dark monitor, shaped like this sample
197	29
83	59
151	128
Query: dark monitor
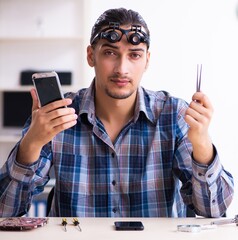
16	108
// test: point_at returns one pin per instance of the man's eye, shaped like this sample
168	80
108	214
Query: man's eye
108	52
135	55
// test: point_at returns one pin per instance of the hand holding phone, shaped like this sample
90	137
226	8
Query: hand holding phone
47	87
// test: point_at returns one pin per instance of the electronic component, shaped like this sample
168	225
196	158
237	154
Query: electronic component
22	223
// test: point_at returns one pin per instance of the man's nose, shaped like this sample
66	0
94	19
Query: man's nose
121	66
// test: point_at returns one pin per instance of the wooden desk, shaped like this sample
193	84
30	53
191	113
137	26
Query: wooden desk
103	229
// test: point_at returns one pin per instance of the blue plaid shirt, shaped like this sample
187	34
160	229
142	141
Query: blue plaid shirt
147	172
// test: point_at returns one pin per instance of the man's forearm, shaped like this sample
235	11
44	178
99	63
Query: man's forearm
28	152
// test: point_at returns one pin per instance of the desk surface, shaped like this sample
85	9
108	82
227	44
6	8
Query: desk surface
103	229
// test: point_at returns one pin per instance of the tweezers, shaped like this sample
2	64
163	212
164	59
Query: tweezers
199	74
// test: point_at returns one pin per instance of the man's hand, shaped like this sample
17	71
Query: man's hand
47	121
198	116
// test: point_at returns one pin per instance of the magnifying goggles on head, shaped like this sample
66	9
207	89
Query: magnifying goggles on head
114	33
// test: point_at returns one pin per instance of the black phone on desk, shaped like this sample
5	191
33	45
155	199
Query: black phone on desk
48	87
128	225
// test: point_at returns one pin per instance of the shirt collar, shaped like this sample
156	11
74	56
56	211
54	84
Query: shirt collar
143	104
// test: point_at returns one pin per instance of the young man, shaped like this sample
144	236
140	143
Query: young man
118	150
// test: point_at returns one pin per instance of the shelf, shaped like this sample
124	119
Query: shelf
16	88
10	138
19	88
35	35
29	38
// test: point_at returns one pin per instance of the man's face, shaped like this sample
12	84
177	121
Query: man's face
118	67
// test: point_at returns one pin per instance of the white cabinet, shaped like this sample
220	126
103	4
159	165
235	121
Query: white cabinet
40	35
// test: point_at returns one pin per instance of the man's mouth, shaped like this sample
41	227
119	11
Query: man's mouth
120	82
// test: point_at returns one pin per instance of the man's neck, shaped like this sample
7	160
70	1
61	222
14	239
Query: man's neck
111	109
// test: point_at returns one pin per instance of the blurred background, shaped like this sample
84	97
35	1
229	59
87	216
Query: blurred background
54	34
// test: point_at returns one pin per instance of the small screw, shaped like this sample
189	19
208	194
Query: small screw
64	223
76	223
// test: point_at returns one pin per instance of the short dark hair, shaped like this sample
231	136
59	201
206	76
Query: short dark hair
121	16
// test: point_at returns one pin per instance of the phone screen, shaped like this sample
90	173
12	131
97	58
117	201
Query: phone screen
129	225
47	89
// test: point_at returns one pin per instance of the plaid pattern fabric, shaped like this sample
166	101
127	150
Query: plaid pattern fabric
139	175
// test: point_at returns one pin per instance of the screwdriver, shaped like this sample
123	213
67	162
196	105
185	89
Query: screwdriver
64	223
76	223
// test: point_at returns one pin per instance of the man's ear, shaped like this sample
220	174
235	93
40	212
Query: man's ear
147	60
90	57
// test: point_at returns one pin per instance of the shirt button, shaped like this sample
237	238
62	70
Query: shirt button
113	182
113	155
209	175
114	209
213	201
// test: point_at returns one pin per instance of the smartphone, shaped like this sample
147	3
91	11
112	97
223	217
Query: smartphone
48	87
128	225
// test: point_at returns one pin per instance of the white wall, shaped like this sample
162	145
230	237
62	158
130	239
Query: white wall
184	33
